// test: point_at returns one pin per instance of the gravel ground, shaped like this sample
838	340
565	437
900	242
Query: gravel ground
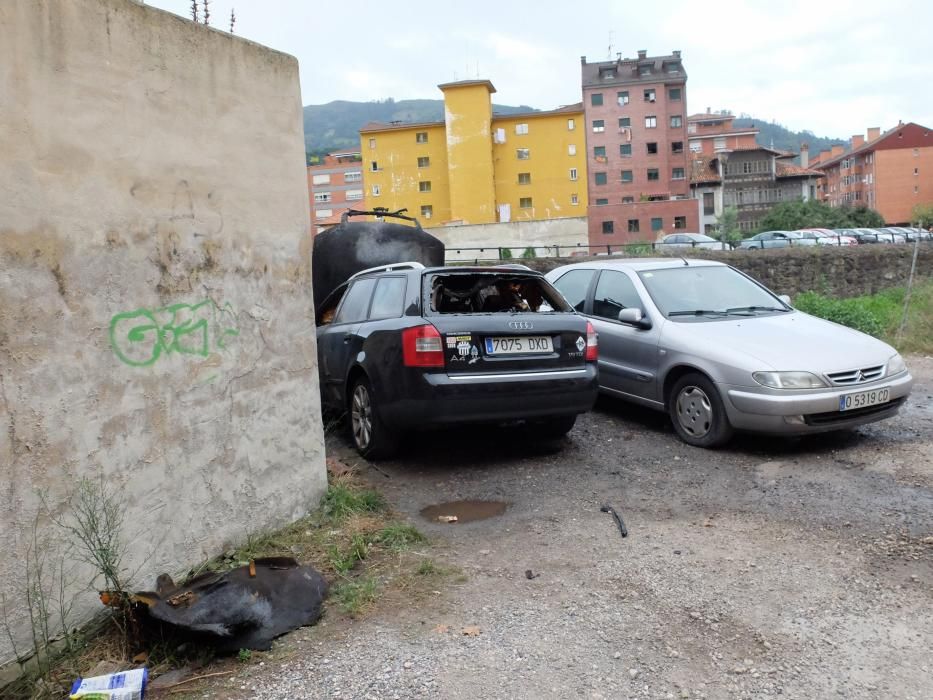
801	568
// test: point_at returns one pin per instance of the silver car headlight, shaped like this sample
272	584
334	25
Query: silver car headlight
896	365
789	380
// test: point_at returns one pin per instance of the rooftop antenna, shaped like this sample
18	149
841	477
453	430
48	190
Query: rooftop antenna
609	55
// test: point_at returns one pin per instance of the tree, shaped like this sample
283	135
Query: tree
922	215
729	225
792	216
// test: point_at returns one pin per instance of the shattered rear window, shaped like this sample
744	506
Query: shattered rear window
479	292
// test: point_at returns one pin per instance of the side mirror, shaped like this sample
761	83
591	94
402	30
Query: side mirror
784	298
634	317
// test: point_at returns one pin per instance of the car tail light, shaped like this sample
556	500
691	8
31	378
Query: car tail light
422	347
592	343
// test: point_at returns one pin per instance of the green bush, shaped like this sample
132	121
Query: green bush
867	314
529	253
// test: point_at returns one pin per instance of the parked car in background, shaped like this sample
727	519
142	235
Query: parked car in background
775	239
885	236
404	347
690	240
719	352
825	236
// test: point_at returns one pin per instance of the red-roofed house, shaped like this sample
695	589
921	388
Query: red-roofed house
890	172
730	169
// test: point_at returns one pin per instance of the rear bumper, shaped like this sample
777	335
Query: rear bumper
809	412
443	399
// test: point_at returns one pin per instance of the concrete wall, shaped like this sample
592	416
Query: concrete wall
517	236
155	298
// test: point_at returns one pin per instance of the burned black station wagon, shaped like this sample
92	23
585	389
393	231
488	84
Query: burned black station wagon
404	347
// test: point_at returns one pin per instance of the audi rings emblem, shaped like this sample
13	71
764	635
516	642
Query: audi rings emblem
521	325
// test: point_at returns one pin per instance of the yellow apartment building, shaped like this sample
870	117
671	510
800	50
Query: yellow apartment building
476	167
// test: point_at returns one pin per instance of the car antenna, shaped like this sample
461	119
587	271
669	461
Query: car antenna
686	264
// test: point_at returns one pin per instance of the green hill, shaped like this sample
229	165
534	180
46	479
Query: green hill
336	125
782	138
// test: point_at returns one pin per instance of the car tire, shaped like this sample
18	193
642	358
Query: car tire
370	436
555	427
697	412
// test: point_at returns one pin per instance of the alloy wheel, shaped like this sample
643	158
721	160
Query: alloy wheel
361	417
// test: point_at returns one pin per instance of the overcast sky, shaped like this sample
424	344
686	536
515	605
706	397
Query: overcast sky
835	68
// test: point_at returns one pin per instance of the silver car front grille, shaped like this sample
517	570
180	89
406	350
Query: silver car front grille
856	376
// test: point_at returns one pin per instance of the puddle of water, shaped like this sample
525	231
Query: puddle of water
465	511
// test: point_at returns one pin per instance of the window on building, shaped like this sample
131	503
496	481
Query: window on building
424	161
320	179
599	178
600	201
353	176
323	213
627	176
649	95
625	150
652	147
521	129
574	199
374	166
719	144
674	94
596	99
322	196
677	174
372	143
353	195
599	125
599	151
524	178
696	147
424	186
525	203
628	200
522	154
633	225
571	125
916	151
608	227
622	98
625	122
573	174
916	171
657	223
376	191
709	207
651	122
680	222
677	146
571	149
676	121
421	137
427	211
653	174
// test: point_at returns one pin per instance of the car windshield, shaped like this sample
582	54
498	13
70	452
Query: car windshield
481	292
705	292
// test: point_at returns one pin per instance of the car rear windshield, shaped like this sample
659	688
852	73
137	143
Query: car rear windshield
492	292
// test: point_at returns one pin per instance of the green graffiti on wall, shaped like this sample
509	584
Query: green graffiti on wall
139	338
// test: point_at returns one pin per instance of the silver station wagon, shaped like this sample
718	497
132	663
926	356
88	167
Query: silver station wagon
719	352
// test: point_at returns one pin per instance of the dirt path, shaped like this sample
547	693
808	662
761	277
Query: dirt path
796	568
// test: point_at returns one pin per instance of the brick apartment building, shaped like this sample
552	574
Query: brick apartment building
890	172
730	169
334	185
635	114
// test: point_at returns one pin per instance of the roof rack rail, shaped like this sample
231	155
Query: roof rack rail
412	265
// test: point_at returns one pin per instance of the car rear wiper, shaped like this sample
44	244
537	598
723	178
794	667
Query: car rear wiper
757	308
